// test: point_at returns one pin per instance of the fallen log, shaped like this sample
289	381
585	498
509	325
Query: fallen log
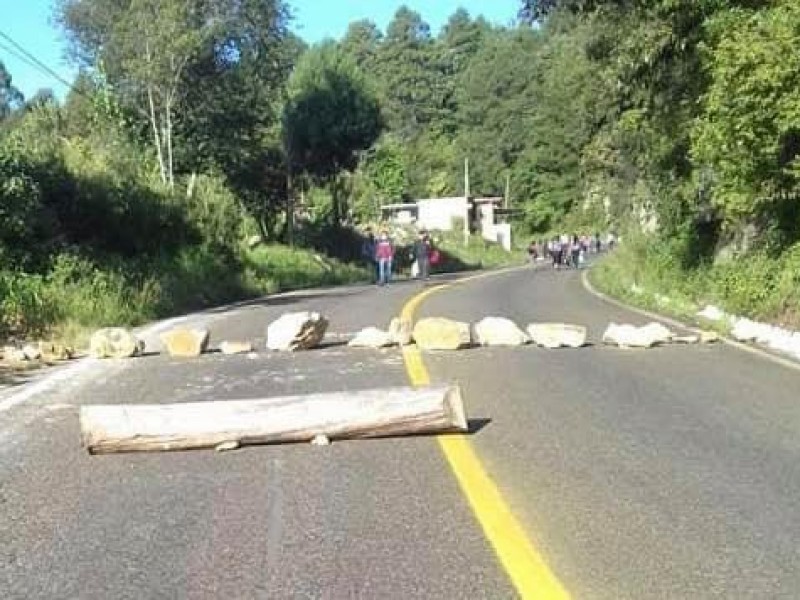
340	415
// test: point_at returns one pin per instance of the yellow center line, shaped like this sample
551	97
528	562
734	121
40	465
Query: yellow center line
524	565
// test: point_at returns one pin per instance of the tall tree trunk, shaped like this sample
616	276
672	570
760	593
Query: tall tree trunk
153	120
168	115
156	136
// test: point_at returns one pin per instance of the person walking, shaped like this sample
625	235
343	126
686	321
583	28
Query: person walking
368	252
384	254
422	254
575	251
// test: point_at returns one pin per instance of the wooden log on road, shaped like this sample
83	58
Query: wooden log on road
341	415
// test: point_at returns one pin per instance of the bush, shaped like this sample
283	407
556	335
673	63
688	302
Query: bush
758	285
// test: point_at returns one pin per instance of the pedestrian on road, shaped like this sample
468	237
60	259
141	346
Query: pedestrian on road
368	252
422	254
555	252
533	252
575	251
384	254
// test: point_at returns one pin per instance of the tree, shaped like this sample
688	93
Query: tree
362	42
144	47
10	97
331	115
410	83
230	115
751	145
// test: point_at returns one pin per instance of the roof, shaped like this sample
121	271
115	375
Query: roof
399	206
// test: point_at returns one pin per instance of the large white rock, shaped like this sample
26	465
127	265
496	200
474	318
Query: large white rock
115	342
630	336
185	343
400	330
372	337
32	351
498	331
14	354
745	330
557	335
296	331
712	313
235	347
658	332
437	333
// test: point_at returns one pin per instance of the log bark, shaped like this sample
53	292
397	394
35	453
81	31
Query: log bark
341	415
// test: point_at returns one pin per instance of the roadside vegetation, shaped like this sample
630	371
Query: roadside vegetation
202	139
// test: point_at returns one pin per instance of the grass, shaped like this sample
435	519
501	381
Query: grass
650	274
77	295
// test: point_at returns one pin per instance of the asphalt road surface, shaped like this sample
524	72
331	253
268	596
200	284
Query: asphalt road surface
665	473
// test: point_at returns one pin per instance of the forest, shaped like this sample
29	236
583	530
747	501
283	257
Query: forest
196	126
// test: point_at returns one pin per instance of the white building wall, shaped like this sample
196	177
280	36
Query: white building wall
438	213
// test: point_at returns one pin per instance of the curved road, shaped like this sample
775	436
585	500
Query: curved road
666	473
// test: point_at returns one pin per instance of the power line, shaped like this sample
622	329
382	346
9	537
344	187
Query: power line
32	60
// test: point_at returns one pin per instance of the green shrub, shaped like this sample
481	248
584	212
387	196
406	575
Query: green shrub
758	285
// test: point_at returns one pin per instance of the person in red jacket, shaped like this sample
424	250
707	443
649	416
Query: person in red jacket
384	255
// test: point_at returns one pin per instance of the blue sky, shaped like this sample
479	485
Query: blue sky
29	23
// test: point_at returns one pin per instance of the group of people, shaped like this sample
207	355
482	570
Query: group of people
569	251
380	253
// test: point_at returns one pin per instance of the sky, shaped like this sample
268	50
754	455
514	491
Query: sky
30	24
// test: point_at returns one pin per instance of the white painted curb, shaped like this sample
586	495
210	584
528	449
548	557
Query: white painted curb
785	362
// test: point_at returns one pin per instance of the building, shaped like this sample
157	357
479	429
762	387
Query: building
455	213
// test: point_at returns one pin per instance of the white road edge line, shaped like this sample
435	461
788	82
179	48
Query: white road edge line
784	362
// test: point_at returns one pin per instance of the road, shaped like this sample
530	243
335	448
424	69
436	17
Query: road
665	473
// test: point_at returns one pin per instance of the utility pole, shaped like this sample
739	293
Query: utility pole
466	201
289	208
507	198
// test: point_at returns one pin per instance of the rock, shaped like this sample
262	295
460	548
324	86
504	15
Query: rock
254	240
630	336
745	330
709	337
659	333
32	351
14	354
321	440
557	335
372	337
226	446
227	347
436	333
686	339
712	313
185	343
114	342
52	352
400	330
498	331
296	331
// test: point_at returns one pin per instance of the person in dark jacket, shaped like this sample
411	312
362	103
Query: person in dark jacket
368	252
422	254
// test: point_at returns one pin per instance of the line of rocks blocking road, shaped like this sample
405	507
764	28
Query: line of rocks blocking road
306	330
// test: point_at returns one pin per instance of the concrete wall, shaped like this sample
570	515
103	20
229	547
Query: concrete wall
438	213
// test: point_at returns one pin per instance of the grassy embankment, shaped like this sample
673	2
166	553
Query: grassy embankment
654	275
77	295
